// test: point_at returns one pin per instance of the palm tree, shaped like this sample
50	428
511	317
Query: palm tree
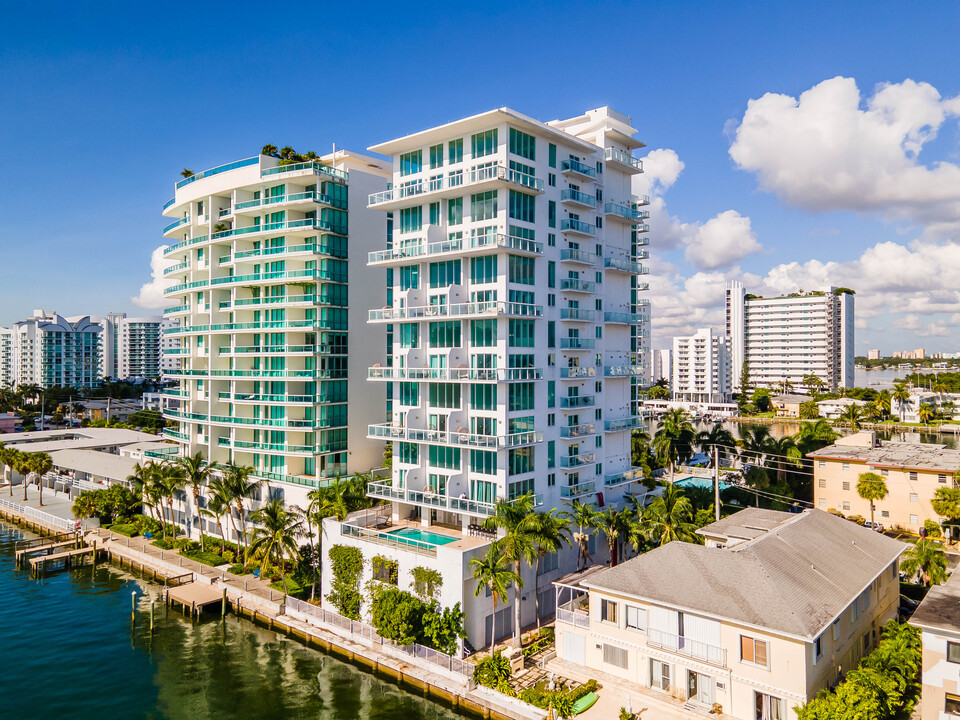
639	444
40	463
926	413
785	453
241	488
493	572
719	437
583	516
814	435
674	438
514	519
669	517
154	492
269	150
186	172
170	481
900	395
928	559
7	455
812	382
23	467
550	531
218	505
275	533
946	503
852	415
615	525
872	487
196	471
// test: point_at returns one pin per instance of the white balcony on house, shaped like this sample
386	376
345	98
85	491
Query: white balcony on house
687	647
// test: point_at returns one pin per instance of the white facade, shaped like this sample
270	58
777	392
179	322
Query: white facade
169	346
48	350
788	338
264	264
516	330
131	346
701	368
661	365
6	357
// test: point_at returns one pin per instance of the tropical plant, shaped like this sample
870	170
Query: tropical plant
812	383
946	503
615	525
669	517
584	515
851	415
927	559
186	173
492	670
196	472
241	488
270	150
814	435
926	413
871	487
40	464
514	519
717	437
275	532
493	572
346	564
674	438
549	532
809	410
901	396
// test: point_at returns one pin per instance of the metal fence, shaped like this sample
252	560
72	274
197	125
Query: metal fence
39	515
368	632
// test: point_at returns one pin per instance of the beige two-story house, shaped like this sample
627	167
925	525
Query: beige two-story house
939	619
774	607
912	471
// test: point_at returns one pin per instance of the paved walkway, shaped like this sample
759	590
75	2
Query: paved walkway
58	504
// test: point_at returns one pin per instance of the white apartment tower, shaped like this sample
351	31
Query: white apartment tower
49	350
790	337
661	365
131	346
169	346
272	356
701	368
517	336
6	357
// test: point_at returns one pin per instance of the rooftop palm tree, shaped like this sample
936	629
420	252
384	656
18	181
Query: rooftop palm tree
493	572
275	534
40	464
186	172
549	531
241	487
196	472
514	519
927	559
269	150
615	525
584	515
669	517
871	487
674	438
901	396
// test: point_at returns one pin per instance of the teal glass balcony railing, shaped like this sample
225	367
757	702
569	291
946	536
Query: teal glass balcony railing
569	343
574	461
217	170
578	168
627	423
581	314
577	401
577	226
571	373
577	285
578	256
624	159
580	198
573	491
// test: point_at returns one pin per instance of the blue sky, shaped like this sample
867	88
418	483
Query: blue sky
101	106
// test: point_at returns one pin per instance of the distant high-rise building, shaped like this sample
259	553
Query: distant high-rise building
873	354
48	349
130	347
791	337
701	368
6	357
169	347
661	365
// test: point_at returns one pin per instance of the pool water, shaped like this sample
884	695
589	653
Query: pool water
423	536
701	482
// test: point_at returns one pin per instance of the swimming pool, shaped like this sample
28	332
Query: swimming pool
422	536
701	482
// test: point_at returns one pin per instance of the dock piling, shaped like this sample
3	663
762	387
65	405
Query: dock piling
152	605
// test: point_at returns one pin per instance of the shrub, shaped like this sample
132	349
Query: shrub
505	688
228	556
239	569
347	565
585	689
147	525
493	670
932	528
185	544
548	634
163	543
130	530
207	558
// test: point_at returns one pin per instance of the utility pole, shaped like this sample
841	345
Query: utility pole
716	483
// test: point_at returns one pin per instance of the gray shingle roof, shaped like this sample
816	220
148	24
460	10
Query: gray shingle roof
746	524
940	609
794	579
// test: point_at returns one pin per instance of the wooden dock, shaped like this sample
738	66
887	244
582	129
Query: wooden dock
67	558
45	547
195	596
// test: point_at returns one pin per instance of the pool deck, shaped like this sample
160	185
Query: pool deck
462	542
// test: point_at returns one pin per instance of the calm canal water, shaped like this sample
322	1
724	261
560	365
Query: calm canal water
69	652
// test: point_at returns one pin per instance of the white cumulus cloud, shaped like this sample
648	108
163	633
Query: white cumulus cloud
833	149
721	241
151	293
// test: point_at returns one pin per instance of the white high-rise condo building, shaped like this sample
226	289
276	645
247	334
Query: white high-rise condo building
788	338
701	368
661	365
131	346
6	357
49	350
169	346
273	358
517	336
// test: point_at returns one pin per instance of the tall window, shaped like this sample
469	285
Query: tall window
520	461
455	211
483	333
455	151
483	269
484	143
435	213
409	335
522	144
409	277
444	274
552	155
483	206
411	219
483	397
521	333
482	461
444	395
411	162
445	334
522	206
436	156
521	270
551	213
520	397
447	458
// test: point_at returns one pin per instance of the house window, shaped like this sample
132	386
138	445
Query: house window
914	497
953	652
821	463
884	513
817	649
885	472
846	485
608	611
845	466
768	707
941	478
616	656
836	629
913	477
484	143
659	675
845	506
455	151
753	651
914	520
823	503
822	482
636	618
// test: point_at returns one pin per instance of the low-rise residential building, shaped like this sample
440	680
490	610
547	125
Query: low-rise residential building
938	617
776	607
912	471
834	408
788	405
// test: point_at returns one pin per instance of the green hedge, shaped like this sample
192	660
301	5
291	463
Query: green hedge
130	529
207	558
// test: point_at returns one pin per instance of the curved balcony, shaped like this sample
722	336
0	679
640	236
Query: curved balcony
460	246
184	244
495	308
287	226
272	301
577	227
309	167
287	424
264	399
180	267
287	325
274	253
176	224
425	374
280	448
311	196
249	374
578	198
